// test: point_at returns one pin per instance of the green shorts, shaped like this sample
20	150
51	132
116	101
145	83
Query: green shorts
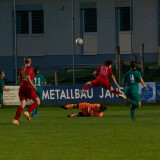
39	94
133	95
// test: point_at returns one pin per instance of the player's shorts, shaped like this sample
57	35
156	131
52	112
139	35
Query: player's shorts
39	94
81	114
27	92
1	98
84	108
132	94
101	82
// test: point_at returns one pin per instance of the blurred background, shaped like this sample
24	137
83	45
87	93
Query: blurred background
119	30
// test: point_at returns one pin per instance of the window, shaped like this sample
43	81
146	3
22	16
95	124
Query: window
125	19
30	22
22	22
90	20
37	22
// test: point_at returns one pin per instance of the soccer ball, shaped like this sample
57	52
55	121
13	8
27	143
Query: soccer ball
79	41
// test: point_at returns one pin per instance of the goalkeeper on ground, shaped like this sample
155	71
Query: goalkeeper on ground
87	110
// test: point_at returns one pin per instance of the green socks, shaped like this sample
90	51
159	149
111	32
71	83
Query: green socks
133	113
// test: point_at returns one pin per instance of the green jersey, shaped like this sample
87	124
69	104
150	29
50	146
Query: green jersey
1	85
38	81
131	79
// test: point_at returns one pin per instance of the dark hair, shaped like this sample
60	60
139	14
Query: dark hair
1	72
36	69
108	62
133	65
102	108
27	60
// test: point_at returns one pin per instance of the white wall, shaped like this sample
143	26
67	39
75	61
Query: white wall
57	37
145	25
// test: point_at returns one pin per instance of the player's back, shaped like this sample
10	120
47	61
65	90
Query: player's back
132	79
38	80
24	72
104	72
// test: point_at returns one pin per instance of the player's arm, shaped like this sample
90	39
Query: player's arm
44	80
45	83
114	80
89	109
95	74
19	79
30	82
142	82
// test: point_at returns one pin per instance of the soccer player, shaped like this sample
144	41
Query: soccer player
2	88
102	79
130	81
88	110
26	91
38	81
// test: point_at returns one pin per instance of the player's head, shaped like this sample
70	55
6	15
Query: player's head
101	108
2	74
27	60
36	70
108	63
133	65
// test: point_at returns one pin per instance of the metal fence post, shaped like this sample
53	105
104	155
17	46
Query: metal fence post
117	52
56	78
159	56
119	63
142	57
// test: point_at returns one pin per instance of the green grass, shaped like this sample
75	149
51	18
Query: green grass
54	136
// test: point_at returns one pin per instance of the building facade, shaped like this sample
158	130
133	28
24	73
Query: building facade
46	31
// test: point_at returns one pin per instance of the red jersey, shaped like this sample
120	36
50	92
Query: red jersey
23	74
104	72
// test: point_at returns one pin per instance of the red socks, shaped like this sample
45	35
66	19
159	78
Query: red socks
115	92
32	107
18	113
86	86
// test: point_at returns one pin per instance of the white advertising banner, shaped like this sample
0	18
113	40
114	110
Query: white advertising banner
11	97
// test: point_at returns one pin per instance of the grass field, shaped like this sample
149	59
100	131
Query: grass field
54	136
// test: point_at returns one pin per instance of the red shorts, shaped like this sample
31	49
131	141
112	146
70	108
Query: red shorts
101	82
27	92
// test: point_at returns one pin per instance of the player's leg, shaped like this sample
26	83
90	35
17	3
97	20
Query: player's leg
34	105
111	89
133	97
1	100
32	95
70	106
132	110
79	114
95	83
114	91
34	113
86	87
19	111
